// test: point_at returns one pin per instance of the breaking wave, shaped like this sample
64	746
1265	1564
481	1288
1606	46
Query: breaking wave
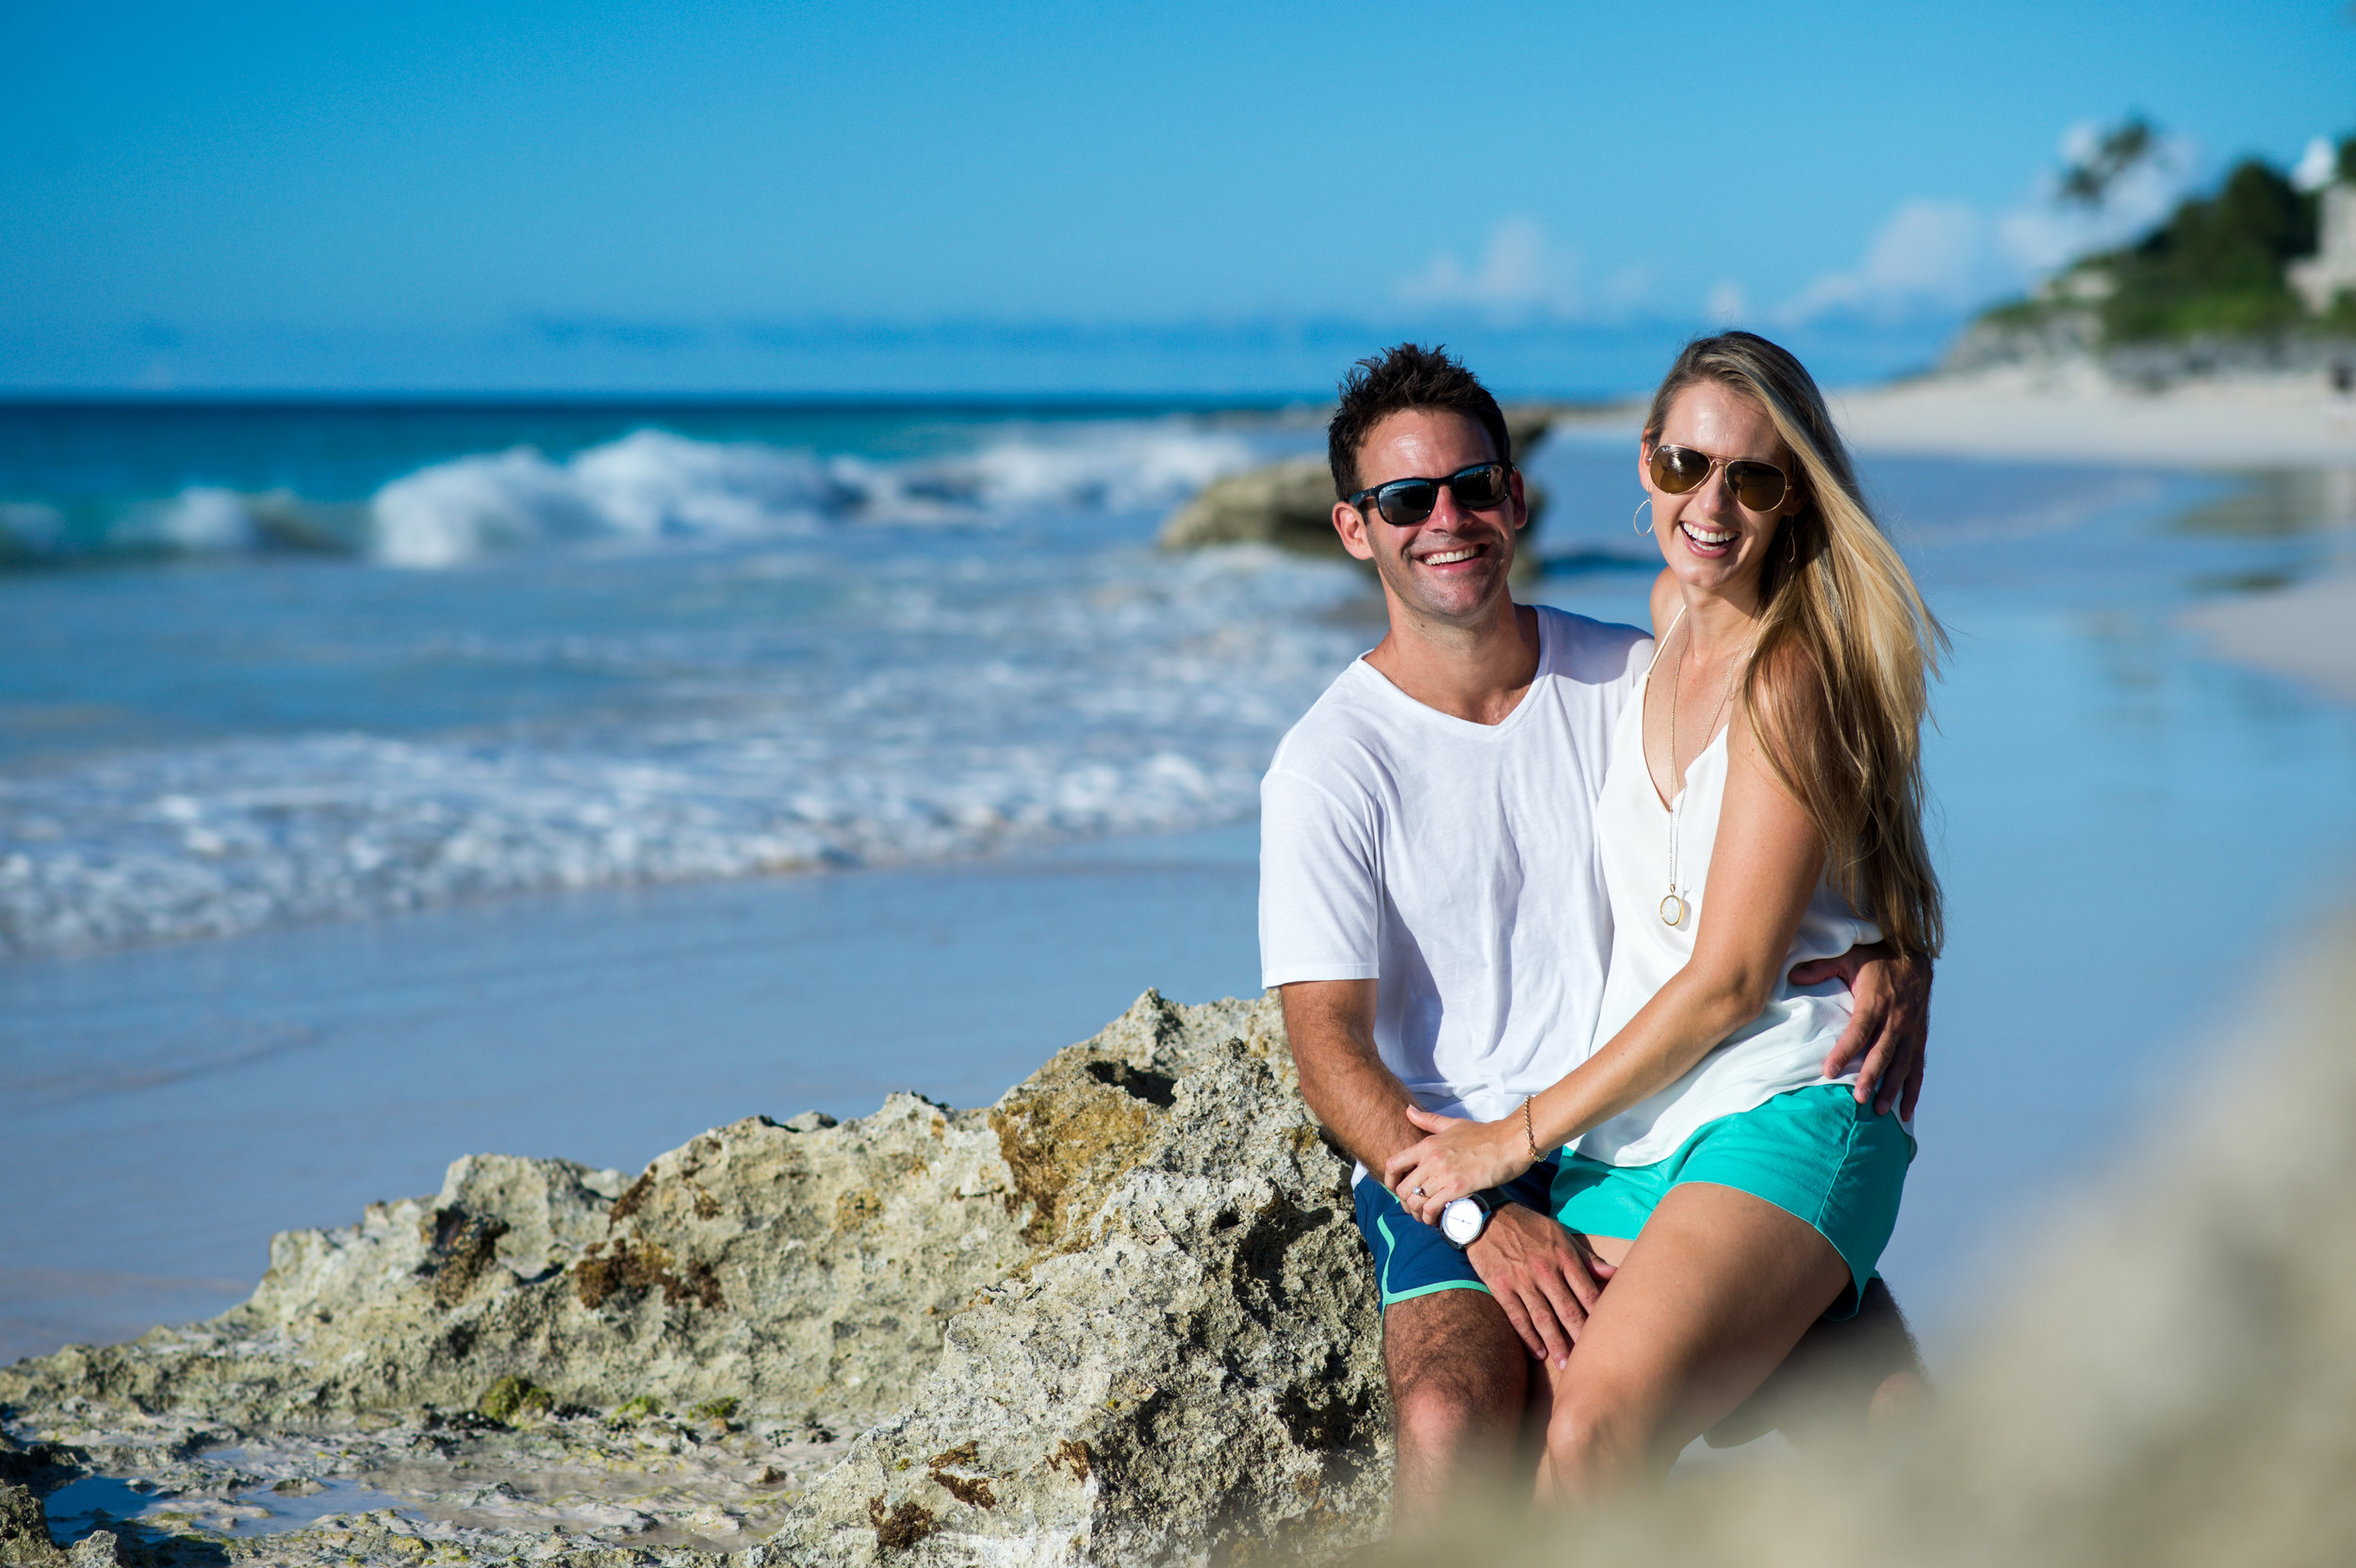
650	484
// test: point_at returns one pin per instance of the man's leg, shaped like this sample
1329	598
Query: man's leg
1459	1379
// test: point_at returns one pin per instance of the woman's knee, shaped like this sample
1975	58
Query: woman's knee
1595	1442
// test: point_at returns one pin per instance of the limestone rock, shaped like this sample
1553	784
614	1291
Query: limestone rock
777	1267
25	1541
1197	1371
1121	1313
98	1549
1290	504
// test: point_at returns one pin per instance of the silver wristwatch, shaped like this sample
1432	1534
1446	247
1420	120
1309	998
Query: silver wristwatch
1464	1220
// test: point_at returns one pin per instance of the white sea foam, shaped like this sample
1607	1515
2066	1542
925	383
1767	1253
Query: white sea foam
941	706
839	696
200	520
642	486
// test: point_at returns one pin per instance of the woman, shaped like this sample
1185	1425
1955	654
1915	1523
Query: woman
1763	806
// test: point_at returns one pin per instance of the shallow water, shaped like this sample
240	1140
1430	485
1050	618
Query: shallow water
2127	829
97	1502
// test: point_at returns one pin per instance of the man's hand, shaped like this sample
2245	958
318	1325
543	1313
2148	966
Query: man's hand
1545	1276
1889	1028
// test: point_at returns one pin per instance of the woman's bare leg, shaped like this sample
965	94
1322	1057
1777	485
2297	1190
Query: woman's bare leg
1844	1381
1707	1300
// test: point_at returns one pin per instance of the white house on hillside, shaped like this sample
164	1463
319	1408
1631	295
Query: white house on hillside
2320	278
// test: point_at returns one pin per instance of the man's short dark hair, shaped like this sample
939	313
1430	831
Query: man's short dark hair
1408	376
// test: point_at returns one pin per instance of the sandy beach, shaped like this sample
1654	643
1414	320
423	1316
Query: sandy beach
2073	413
2131	825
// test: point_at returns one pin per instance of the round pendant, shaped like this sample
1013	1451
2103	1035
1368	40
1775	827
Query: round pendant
1672	910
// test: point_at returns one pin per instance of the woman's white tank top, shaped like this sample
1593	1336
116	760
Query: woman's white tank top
1784	1047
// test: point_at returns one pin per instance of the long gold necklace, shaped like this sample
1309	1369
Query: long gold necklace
1674	907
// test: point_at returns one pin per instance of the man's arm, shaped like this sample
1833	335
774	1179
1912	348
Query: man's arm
1540	1273
1357	1099
1891	1024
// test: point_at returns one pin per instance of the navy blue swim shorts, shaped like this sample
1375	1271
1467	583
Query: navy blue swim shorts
1413	1259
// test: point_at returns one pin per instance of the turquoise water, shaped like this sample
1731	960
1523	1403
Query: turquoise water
320	871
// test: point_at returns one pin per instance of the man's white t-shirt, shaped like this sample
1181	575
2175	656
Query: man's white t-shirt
1455	864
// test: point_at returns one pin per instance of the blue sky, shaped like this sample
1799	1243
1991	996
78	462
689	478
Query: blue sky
985	197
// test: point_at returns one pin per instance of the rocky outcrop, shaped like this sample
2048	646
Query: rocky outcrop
1120	1315
1194	1368
776	1265
24	1538
1290	504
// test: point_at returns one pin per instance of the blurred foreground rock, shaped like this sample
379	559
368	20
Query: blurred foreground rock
1120	1316
1290	504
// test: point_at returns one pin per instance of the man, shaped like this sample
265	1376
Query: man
1432	906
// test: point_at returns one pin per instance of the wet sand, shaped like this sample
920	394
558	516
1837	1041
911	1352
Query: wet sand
2307	632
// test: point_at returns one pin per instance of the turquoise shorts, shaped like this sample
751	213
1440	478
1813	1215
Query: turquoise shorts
1814	1153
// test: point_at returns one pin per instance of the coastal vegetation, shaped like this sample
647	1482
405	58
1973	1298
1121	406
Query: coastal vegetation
2218	267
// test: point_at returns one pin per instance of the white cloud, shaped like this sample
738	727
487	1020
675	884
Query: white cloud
1930	255
1934	256
2316	166
2042	232
1728	304
1519	273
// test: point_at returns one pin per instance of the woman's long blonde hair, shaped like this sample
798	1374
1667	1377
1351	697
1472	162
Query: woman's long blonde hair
1837	608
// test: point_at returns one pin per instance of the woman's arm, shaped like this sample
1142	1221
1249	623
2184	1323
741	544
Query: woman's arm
1765	867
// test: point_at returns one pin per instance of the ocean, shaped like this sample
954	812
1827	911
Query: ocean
383	783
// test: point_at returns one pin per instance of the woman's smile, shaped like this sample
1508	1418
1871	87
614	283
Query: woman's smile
1705	541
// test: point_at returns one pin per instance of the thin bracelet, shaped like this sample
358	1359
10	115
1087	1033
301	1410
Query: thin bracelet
1529	1137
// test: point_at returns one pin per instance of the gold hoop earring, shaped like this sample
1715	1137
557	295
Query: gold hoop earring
1790	543
1632	516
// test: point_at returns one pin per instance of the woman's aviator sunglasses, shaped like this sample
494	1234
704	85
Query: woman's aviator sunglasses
1404	502
1759	487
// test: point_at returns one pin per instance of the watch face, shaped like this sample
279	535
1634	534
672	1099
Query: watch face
1460	1221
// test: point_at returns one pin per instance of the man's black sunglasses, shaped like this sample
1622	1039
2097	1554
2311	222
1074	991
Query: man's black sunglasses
1410	500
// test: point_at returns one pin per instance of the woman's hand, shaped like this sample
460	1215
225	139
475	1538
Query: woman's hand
1457	1157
